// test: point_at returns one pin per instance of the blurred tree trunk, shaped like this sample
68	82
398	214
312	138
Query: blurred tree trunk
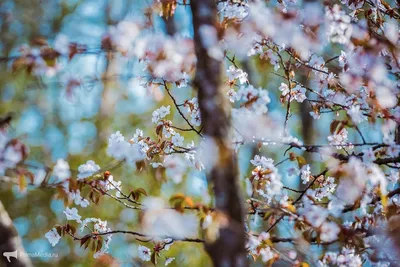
170	26
307	121
229	247
10	241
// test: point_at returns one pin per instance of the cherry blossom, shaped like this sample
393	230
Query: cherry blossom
339	139
78	199
329	231
233	9
305	174
297	93
160	113
61	170
169	260
266	171
72	214
255	100
347	257
177	140
144	253
164	222
356	114
111	184
120	149
176	167
236	74
194	111
340	28
124	34
53	237
88	169
61	44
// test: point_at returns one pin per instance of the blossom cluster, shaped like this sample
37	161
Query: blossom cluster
267	177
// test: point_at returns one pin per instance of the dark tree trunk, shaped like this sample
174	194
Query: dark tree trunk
229	248
170	26
10	242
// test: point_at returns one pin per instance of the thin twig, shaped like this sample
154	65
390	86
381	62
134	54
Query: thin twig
179	110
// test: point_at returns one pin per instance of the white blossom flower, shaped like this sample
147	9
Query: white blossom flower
392	32
292	254
40	175
61	170
101	226
266	254
124	34
168	243
262	161
314	214
159	221
183	81
394	176
11	156
255	100
78	199
72	214
342	59
386	97
356	114
325	190
339	28
236	74
175	167
111	184
138	134
116	145
368	155
232	95
87	169
329	231
266	171
284	89
121	149
194	111
232	10
160	113
168	261
144	253
316	62
53	236
177	140
352	4
299	93
305	174
156	164
315	115
347	257
340	139
61	44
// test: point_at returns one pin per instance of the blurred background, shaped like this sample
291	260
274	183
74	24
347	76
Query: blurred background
58	120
